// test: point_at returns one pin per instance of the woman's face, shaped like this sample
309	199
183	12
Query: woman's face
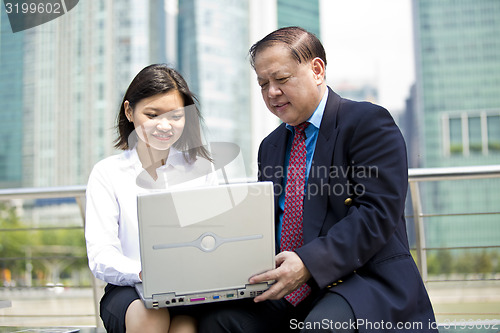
158	120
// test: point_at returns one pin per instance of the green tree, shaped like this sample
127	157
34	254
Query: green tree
13	240
49	254
432	264
495	257
483	263
445	262
465	263
64	251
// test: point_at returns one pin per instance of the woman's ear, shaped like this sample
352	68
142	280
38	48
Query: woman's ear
318	68
128	111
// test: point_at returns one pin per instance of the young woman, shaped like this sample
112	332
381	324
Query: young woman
160	135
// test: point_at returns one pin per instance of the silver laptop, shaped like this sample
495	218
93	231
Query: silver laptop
202	245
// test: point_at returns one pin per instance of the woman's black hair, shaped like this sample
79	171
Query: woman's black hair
158	79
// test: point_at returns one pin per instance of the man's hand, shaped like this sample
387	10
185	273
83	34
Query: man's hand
290	273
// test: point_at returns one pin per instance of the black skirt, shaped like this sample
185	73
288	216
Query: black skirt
117	299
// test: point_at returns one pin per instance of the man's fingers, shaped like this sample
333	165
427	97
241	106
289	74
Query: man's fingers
289	274
275	292
266	276
280	258
272	274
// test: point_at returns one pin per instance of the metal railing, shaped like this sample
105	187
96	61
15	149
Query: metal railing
76	192
416	177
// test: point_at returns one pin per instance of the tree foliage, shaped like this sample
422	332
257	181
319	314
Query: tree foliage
43	252
463	262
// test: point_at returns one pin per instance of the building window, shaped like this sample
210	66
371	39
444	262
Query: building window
471	133
456	146
475	141
493	133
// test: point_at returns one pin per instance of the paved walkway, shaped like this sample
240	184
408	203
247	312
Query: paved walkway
42	308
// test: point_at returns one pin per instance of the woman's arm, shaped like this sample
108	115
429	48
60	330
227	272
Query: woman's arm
104	247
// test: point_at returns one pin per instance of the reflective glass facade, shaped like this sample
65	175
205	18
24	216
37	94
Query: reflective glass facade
61	87
11	104
457	49
213	45
300	13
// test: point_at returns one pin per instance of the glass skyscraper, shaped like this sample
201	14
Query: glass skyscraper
299	13
11	99
62	84
213	43
457	51
214	38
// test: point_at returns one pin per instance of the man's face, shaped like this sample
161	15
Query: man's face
291	90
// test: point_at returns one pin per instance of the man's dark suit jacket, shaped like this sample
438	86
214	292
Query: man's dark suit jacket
355	241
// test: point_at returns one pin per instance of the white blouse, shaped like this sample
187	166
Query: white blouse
111	228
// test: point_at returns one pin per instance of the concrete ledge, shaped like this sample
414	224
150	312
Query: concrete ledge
5	303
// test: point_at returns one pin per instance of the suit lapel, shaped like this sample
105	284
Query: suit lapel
316	202
277	159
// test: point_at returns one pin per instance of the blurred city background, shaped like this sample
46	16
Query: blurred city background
435	65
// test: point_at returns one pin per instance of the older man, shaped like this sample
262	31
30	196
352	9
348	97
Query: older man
340	174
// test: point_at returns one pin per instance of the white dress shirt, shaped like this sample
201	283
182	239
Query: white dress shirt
111	228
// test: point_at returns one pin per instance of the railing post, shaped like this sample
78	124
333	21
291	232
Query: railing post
419	229
96	290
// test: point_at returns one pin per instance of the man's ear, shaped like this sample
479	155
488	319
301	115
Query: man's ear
318	68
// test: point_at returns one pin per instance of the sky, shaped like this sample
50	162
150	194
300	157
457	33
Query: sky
370	41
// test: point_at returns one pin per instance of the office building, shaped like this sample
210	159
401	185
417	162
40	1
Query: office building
11	99
213	43
299	13
214	38
457	51
66	79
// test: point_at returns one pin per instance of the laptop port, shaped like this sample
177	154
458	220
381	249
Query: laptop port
230	295
199	299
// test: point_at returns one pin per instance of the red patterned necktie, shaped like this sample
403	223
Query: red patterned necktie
292	226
